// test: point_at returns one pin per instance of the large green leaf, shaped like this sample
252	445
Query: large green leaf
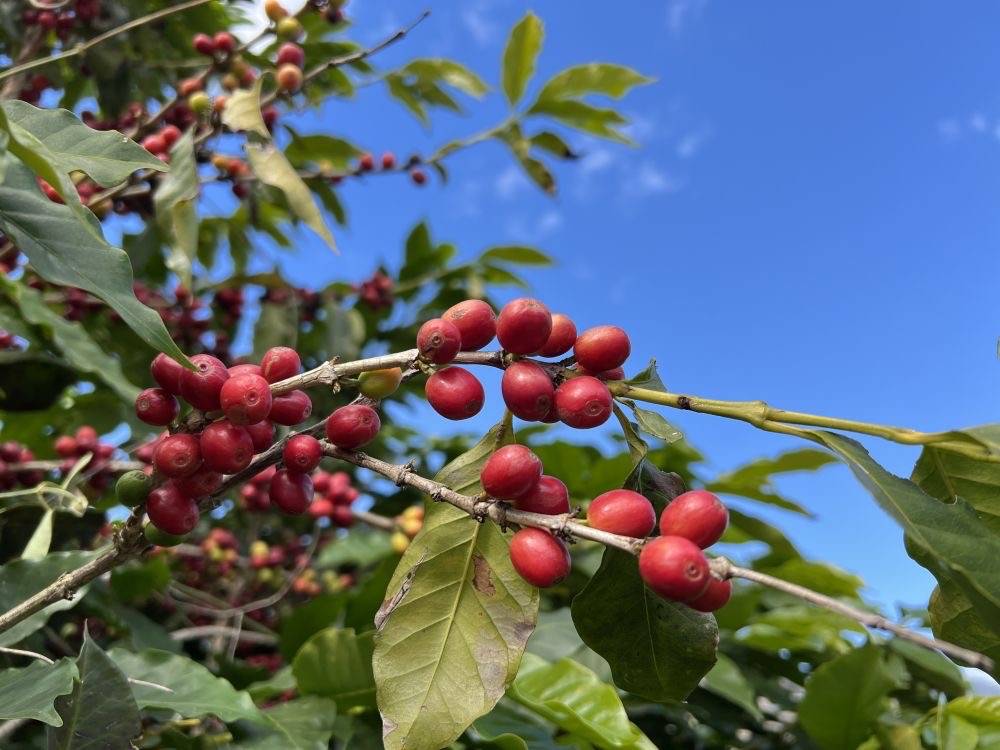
456	619
510	726
337	664
67	251
979	709
930	666
312	149
242	111
599	121
174	202
30	693
432	69
954	619
31	382
727	681
191	689
593	78
523	46
753	480
302	724
307	619
844	697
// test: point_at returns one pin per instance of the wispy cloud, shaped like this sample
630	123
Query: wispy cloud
510	182
476	20
691	143
534	230
681	12
651	179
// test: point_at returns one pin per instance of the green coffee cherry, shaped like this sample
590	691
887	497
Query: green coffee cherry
161	538
379	384
133	487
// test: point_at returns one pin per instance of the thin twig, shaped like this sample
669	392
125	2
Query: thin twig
208	631
375	520
22	652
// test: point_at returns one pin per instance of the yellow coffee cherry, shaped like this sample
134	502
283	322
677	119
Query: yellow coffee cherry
399	542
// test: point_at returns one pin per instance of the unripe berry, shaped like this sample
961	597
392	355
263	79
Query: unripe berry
561	338
262	434
291	491
602	348
224	42
476	323
539	558
289	77
439	341
512	471
203	44
583	402
290	54
674	568
716	596
622	512
133	487
245	399
170	511
177	455
200	484
288	29
302	453
527	391
201	387
399	542
379	384
226	447
291	408
155	406
274	10
352	426
524	325
200	103
548	496
454	393
698	516
418	176
280	363
160	538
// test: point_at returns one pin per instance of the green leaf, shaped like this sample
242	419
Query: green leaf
653	423
312	149
538	173
519	55
335	663
570	696
455	621
979	709
242	111
174	202
191	689
41	539
277	325
139	579
361	547
454	74
32	382
30	693
823	577
63	252
954	619
593	78
553	144
525	256
21	579
930	667
273	168
100	712
512	727
310	618
648	378
844	697
727	681
585	117
302	724
753	480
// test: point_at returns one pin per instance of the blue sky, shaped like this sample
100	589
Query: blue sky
811	217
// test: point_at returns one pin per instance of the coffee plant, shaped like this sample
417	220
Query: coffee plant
214	534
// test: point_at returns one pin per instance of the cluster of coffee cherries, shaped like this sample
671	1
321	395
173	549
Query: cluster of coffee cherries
377	291
70	449
524	327
387	163
61	18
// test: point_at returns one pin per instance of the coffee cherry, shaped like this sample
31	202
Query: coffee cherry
539	558
418	176
280	363
288	29
524	326
245	399
622	512
177	455
189	86
399	542
160	538
439	341
454	393
155	406
290	54
476	323
302	453
697	515
133	487
245	369
674	568
366	162
170	134
201	387
388	160
583	402
617	373
289	77
352	426
602	348
291	408
274	10
512	471
200	484
154	144
262	434
224	42
379	384
226	447
203	44
716	596
65	446
548	496
86	439
527	391
291	491
200	103
561	338
170	511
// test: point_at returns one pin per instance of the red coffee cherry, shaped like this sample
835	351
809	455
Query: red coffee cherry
224	42
561	338
697	515
366	162
170	134
602	348
539	558
86	439
245	399
616	374
292	491
352	426
512	471
716	596
203	44
280	363
527	391
262	435
674	568
418	176
388	160
292	54
201	387
475	321
548	496
200	484
290	409
167	373
177	455
226	447
439	341
455	393
171	511
524	326
302	453
583	402
247	369
155	406
342	517
622	512
65	446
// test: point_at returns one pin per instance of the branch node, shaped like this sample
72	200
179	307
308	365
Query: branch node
402	472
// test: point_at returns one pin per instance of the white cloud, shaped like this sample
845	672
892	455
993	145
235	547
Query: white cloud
596	160
681	12
551	220
978	122
650	179
534	230
477	22
510	182
691	143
